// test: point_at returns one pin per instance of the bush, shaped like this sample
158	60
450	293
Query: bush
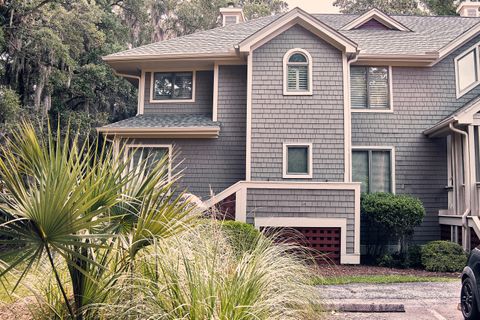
414	257
242	236
443	256
391	216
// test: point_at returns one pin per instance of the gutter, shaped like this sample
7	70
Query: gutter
124	75
172	132
466	152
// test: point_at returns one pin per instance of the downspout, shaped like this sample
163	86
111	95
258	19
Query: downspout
466	160
349	114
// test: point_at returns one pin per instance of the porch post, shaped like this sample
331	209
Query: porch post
241	205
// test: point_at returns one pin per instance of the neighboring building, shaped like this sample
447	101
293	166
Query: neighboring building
282	117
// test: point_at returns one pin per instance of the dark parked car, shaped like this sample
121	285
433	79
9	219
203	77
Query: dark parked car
470	296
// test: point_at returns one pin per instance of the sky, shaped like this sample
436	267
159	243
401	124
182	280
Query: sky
313	6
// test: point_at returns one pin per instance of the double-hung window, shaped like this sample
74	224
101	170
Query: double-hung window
172	86
370	88
297	66
467	69
297	160
373	168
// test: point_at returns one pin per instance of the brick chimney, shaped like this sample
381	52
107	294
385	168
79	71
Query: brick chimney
231	14
469	8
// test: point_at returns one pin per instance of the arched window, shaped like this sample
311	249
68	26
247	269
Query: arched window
297	69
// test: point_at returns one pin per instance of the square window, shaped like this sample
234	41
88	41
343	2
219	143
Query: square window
297	161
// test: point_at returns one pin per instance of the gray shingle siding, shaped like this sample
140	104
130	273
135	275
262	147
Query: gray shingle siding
216	163
304	203
203	97
316	119
421	98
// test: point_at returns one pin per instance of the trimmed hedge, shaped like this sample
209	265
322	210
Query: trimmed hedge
242	236
443	256
397	214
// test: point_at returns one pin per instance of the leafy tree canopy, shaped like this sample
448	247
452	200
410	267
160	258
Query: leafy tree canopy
434	7
51	50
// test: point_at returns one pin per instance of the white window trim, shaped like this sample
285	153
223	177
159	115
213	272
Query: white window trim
390	93
287	55
194	80
391	149
286	175
152	145
460	93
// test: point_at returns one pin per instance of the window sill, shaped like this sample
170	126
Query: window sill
172	101
286	93
297	176
371	110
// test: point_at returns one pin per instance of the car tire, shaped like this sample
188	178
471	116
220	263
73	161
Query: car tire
468	300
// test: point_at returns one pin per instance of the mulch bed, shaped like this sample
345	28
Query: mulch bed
363	270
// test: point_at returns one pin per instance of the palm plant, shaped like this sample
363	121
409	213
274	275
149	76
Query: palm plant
80	205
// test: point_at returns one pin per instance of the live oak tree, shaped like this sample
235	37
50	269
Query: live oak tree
425	7
50	51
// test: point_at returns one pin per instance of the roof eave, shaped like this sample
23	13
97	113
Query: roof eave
424	59
162	57
178	132
440	129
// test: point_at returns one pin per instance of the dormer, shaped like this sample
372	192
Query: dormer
376	20
231	15
469	8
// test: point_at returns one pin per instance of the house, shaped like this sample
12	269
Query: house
288	118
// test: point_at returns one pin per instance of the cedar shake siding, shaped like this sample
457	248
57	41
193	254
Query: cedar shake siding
306	204
203	97
316	119
421	98
214	164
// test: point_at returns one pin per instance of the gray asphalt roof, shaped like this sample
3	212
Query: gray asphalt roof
165	121
428	34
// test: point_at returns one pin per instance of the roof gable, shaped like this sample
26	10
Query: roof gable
298	17
378	16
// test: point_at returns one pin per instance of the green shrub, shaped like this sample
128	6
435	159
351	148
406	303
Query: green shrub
410	259
242	236
391	217
443	256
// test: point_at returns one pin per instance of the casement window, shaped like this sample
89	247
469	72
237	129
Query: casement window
297	69
374	169
149	156
168	86
467	70
370	88
297	160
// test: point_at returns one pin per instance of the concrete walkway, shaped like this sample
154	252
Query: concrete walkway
422	300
